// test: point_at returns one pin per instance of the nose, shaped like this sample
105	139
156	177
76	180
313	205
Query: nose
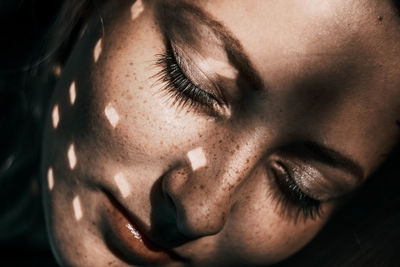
203	198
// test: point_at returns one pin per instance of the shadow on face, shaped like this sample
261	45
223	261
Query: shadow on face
224	132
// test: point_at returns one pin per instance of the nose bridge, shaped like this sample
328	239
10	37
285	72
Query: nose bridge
203	191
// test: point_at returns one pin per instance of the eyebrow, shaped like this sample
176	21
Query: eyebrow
187	17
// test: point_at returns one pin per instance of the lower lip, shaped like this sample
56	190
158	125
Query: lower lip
127	241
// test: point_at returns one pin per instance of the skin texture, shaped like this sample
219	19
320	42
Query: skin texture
330	70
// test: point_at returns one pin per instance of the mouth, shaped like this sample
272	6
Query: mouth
126	238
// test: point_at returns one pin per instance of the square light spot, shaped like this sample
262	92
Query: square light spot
76	204
72	92
71	156
111	115
136	9
197	158
122	184
55	116
50	178
97	50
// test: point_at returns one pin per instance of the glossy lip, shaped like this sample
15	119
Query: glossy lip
126	238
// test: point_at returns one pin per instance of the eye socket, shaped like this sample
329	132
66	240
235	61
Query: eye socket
182	92
290	196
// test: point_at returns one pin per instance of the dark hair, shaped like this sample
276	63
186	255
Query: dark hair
365	232
32	50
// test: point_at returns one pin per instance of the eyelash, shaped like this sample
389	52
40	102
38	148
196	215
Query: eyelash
184	94
293	200
181	91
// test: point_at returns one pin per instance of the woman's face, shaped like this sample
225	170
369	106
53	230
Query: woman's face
216	132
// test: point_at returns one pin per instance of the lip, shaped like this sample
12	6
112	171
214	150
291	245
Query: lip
128	240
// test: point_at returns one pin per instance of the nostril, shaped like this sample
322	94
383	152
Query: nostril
164	226
194	210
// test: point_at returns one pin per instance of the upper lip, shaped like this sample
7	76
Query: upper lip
151	246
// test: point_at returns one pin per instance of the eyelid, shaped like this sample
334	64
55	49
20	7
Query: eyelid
181	90
311	180
196	74
293	200
305	177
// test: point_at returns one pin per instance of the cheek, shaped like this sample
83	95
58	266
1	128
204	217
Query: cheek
129	104
259	231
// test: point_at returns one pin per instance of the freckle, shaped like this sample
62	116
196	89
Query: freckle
97	50
202	187
111	115
50	178
140	87
197	158
136	9
126	75
131	63
55	115
71	156
76	203
145	101
129	97
72	92
122	184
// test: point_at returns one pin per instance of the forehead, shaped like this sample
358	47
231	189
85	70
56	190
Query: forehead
307	29
336	58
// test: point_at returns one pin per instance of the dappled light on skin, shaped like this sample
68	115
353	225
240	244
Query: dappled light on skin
197	158
55	116
72	92
137	9
76	204
97	50
111	115
50	178
71	156
122	184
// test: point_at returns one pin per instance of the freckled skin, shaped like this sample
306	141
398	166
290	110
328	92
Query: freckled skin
332	70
